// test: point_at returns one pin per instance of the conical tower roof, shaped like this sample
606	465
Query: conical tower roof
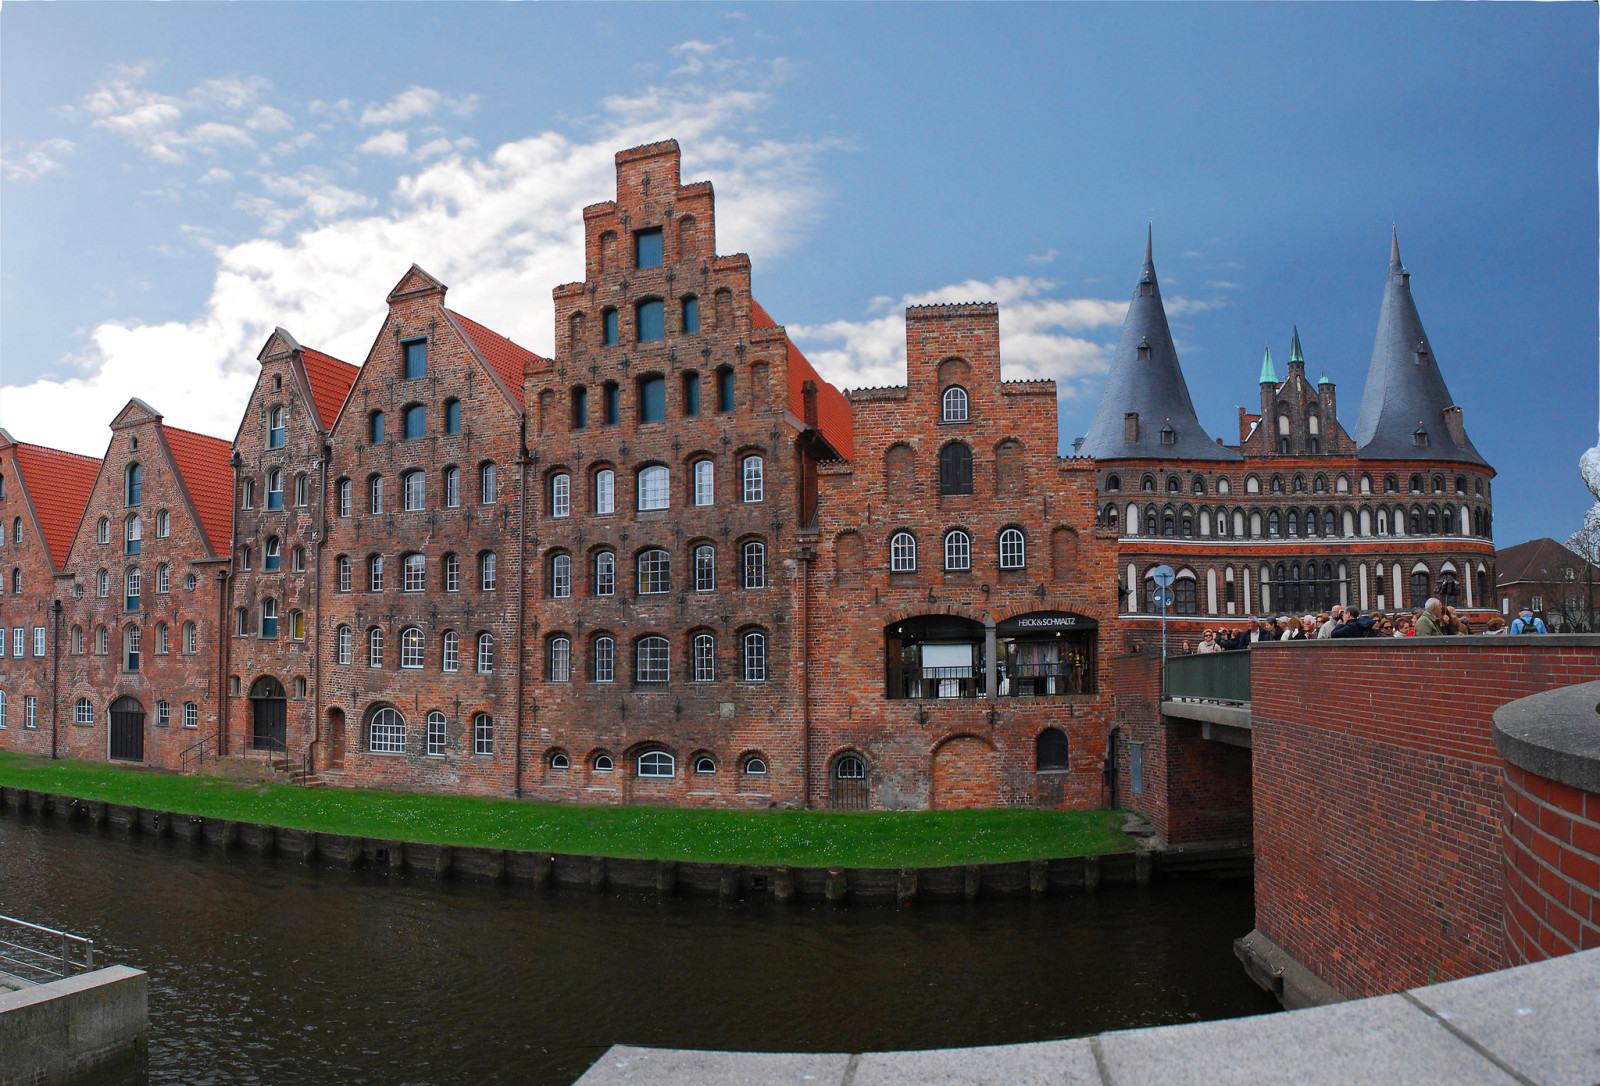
1145	378
1405	391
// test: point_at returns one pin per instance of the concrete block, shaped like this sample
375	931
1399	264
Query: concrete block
90	1027
1051	1063
1542	1020
624	1064
256	837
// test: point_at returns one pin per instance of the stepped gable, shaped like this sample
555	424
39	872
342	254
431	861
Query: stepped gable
59	484
202	462
505	358
1405	391
330	380
834	420
1146	380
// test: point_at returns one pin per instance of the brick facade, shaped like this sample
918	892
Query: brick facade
1551	836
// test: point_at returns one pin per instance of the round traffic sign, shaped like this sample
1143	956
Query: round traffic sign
1162	597
1162	576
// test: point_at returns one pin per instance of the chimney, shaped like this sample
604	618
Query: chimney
1130	428
1456	428
808	392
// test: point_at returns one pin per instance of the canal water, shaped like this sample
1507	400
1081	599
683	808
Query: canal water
264	971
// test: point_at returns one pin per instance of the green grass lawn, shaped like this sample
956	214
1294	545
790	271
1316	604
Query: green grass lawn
798	838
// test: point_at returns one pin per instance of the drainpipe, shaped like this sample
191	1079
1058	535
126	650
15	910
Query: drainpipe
805	675
55	672
991	670
223	654
522	607
317	740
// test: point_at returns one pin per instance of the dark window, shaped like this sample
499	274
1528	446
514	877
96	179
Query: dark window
647	248
608	326
691	316
651	324
1419	588
414	422
135	484
416	358
612	403
376	429
580	408
691	394
955	469
452	416
653	399
1050	750
724	390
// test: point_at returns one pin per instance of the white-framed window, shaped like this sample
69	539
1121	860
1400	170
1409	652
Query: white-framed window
83	712
485	653
30	711
954	404
452	573
2	641
488	489
346	497
560	762
656	763
344	565
957	550
102	531
275	428
275	488
560	670
654	572
19	644
77	638
561	495
163	714
133	534
903	553
655	488
605	659
452	488
191	715
451	658
387	733
3	710
1013	549
436	734
756	767
705	765
705	568
605	574
414	491
161	638
102	581
705	658
163	524
272	554
101	641
482	733
753	478
376	505
375	573
487	567
414	573
755	657
38	640
411	647
191	639
602	763
302	490
705	473
755	564
163	580
651	660
375	647
346	641
246	557
561	576
605	491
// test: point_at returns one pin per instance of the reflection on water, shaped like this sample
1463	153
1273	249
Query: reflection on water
266	971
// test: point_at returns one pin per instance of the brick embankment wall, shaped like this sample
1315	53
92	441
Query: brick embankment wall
1378	800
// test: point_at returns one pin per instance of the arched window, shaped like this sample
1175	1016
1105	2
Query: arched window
100	638
135	484
755	565
1174	485
560	576
488	568
1273	525
602	763
955	404
375	487
1299	484
450	651
374	647
1421	587
345	639
605	491
1294	523
561	495
559	660
651	660
655	488
608	328
387	732
413	491
903	553
488	489
452	416
1050	750
272	554
1147	485
485	653
605	574
651	323
436	734
275	488
755	657
411	647
102	582
1277	484
102	530
415	422
375	573
691	316
1198	486
957	550
77	641
559	762
161	639
130	648
191	639
755	767
605	659
705	568
1252	484
375	427
654	572
275	428
705	765
753	480
133	534
452	488
704	649
955	469
1113	484
656	763
1013	548
1319	485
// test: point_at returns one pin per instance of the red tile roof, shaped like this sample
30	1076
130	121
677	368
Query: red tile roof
203	463
506	358
834	419
59	484
330	380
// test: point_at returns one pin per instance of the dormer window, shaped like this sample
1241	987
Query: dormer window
1146	289
1169	436
1422	351
1419	437
1144	349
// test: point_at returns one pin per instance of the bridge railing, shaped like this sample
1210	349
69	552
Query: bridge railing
39	955
1212	676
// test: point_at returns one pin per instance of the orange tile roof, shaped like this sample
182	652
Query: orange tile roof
834	418
506	358
331	381
203	462
60	484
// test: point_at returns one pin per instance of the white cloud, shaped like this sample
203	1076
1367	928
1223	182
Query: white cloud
387	142
417	101
215	175
1045	257
500	227
32	163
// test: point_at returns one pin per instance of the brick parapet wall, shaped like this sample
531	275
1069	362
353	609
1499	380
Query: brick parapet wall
1551	836
1378	797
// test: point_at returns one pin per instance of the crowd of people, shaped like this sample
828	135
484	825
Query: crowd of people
1433	619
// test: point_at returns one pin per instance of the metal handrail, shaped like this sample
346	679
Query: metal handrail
18	958
199	750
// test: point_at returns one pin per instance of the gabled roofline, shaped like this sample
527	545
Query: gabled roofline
505	389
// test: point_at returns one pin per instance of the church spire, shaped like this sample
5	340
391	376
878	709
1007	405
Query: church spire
1406	410
1145	410
1269	376
1294	348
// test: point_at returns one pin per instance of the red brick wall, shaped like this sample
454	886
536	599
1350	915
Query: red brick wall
27	559
1378	799
1551	834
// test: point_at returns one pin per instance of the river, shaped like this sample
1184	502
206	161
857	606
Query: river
265	971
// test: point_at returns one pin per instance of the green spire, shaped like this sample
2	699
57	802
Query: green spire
1294	348
1269	376
1323	380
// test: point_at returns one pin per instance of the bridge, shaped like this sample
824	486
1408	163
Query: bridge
1212	689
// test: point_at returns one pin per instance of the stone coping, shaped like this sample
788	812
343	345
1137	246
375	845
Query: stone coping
1475	639
727	881
1534	1024
1555	735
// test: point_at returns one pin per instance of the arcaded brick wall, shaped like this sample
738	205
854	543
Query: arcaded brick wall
1551	834
1378	799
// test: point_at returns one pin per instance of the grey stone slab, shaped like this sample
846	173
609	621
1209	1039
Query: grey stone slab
624	1065
1049	1063
1369	1042
1542	1020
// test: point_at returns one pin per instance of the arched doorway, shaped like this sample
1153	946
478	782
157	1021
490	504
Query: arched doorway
848	786
269	715
964	774
127	730
335	738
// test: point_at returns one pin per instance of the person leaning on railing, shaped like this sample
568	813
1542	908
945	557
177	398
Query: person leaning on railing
1208	643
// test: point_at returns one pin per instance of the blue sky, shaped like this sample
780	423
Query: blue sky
178	178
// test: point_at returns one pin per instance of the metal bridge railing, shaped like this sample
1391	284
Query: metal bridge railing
1212	676
30	952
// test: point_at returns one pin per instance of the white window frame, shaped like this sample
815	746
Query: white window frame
414	491
605	491
485	653
488	484
754	553
605	573
488	571
452	573
561	495
705	486
657	765
655	570
561	576
957	551
452	488
375	648
346	497
955	405
705	568
482	733
414	573
754	479
436	737
652	660
903	553
655	488
605	659
411	651
393	732
705	658
1013	549
346	644
560	659
753	653
450	659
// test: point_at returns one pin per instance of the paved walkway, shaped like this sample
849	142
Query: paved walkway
1536	1024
